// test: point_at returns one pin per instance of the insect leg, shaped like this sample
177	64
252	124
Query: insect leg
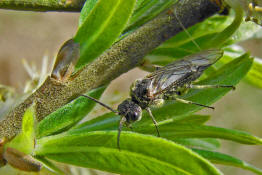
121	122
210	86
154	120
191	102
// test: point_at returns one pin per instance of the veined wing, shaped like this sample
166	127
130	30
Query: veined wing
169	76
182	71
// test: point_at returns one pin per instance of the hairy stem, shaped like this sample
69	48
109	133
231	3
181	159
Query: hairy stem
43	5
120	58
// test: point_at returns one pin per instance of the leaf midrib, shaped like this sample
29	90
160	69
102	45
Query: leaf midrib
103	25
92	149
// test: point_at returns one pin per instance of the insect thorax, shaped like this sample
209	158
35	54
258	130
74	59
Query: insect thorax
139	92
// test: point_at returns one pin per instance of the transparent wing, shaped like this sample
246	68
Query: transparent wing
170	76
182	71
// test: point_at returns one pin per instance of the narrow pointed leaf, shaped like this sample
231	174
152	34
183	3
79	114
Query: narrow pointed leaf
211	25
87	8
173	130
140	3
254	76
220	158
50	165
109	121
101	27
192	119
181	45
25	140
140	154
166	54
244	32
203	143
68	115
147	11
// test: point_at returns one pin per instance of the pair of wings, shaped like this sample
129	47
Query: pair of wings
169	76
181	71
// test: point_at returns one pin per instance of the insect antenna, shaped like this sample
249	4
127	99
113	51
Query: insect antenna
102	104
122	121
188	34
154	120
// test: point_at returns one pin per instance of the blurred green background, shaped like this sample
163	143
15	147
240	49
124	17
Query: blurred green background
31	35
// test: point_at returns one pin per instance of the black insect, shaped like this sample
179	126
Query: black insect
166	83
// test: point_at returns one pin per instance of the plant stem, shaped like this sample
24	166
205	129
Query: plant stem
43	5
120	58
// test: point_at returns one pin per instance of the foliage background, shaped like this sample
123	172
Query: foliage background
31	35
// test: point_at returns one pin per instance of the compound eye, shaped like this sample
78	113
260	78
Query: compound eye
135	116
130	110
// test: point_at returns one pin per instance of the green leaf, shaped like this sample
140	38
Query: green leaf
220	38
68	115
140	154
147	11
173	130
204	143
254	76
25	140
101	27
214	24
50	165
181	44
170	129
191	119
245	31
141	3
110	121
224	159
87	8
164	55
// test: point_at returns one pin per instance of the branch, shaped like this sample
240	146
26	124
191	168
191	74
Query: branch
120	58
43	5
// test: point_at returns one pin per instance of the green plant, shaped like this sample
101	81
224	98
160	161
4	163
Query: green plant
125	34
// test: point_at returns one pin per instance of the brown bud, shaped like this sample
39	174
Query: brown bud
66	59
21	160
2	160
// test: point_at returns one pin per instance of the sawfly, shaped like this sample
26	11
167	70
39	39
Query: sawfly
166	83
170	82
